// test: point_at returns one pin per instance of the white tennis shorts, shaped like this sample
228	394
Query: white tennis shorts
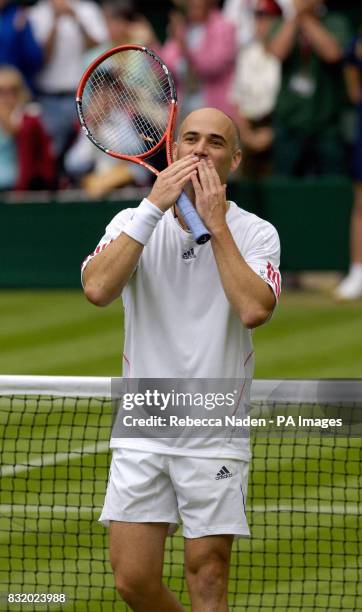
207	495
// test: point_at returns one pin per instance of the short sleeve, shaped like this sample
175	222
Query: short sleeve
262	254
113	230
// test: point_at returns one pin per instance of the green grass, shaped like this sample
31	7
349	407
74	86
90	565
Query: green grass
60	333
301	558
311	336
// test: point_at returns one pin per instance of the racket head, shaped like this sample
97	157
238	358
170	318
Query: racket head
127	104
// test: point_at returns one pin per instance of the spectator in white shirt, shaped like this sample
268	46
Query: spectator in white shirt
65	29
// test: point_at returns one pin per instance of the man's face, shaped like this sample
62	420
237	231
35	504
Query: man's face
10	91
118	28
210	134
198	10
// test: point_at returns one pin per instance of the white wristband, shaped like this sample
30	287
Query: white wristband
143	222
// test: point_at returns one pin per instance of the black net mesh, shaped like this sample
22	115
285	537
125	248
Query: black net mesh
304	504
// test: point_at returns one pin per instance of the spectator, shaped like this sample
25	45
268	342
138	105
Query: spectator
200	51
18	46
65	29
254	92
308	111
86	165
120	17
124	26
351	286
26	160
241	13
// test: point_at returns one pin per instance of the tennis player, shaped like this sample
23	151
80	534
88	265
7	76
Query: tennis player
189	312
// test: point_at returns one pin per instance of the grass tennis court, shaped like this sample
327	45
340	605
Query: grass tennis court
303	503
59	333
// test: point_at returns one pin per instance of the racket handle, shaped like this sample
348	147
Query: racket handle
192	219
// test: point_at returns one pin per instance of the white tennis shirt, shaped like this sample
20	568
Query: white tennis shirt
65	66
178	321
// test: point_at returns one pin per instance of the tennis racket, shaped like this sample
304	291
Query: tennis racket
127	105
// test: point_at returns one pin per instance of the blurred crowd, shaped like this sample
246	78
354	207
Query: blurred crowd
288	71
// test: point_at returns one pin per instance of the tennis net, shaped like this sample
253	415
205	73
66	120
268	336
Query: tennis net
304	500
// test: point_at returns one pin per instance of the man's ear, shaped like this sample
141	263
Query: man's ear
237	155
174	151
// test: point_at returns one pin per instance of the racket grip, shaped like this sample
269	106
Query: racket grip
192	219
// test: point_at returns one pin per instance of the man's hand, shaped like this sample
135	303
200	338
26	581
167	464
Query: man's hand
62	7
248	294
171	181
211	203
306	6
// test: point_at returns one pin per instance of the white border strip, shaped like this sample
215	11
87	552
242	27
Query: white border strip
282	391
331	391
62	386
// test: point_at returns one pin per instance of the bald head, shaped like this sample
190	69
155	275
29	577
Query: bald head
217	119
208	133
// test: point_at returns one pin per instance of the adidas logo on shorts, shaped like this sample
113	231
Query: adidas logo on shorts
224	473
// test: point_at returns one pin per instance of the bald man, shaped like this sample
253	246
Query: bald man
189	312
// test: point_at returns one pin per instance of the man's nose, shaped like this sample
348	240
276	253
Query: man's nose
200	149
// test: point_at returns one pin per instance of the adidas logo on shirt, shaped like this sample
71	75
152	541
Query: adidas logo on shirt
224	473
189	254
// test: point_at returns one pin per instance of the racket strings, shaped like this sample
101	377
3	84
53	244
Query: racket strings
127	102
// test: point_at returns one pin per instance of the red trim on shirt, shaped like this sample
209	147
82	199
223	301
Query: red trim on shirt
273	276
99	248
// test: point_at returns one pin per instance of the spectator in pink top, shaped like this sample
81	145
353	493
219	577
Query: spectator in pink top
201	50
